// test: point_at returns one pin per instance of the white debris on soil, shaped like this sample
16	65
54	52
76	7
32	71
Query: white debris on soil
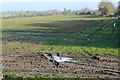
63	59
57	58
114	24
88	39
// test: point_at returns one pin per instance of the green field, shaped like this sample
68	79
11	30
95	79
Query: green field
80	34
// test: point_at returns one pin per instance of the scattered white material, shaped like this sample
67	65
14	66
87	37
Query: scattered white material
114	24
57	58
63	59
88	39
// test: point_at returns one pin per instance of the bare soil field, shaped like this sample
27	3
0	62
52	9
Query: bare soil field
88	66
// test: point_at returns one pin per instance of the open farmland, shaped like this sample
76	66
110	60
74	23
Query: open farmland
82	37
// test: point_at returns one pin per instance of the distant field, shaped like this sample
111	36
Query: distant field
62	33
8	14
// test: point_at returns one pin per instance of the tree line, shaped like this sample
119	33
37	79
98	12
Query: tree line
105	8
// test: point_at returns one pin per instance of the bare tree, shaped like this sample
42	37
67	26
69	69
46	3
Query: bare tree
107	7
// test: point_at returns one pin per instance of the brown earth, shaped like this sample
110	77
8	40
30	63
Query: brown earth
95	66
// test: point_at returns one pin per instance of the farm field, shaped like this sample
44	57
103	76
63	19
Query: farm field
83	37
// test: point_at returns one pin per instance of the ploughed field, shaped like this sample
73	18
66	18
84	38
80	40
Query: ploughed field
91	40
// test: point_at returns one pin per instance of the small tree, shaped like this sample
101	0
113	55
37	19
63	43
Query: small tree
106	7
104	11
65	11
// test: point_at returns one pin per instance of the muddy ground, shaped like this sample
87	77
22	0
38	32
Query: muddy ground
95	66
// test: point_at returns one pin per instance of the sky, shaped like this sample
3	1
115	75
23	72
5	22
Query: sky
43	5
55	0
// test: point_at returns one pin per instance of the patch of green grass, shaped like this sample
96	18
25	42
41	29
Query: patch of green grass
31	76
63	33
48	76
42	52
11	75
